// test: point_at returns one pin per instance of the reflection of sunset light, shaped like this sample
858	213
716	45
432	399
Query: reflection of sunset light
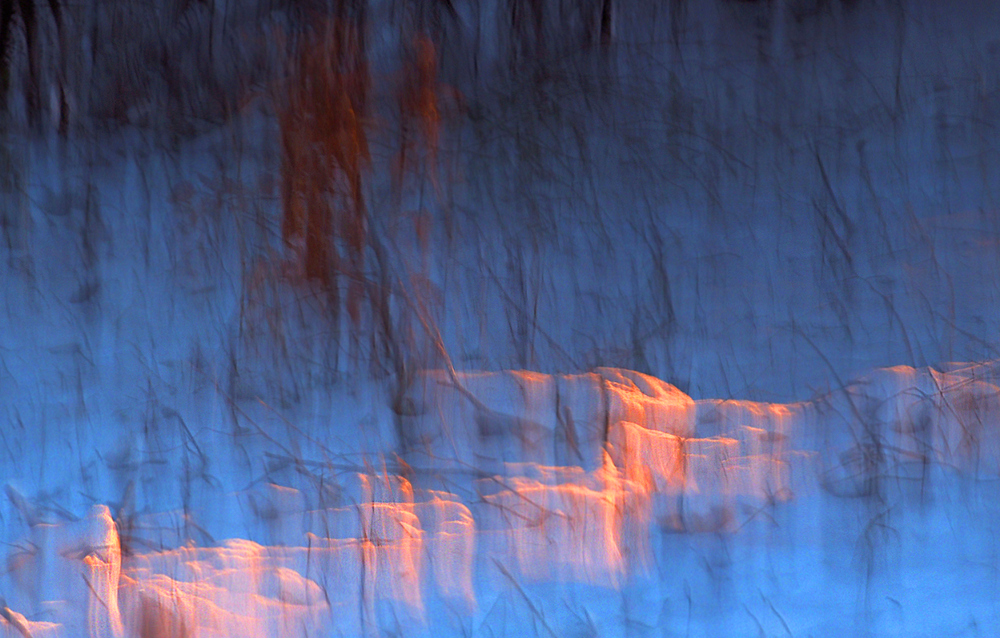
650	458
239	589
647	401
388	548
571	530
450	534
392	548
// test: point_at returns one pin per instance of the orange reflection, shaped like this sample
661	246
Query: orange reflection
691	466
654	460
240	588
647	401
571	531
450	546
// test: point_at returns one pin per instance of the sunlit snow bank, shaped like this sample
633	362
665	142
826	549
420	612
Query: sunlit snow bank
515	490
